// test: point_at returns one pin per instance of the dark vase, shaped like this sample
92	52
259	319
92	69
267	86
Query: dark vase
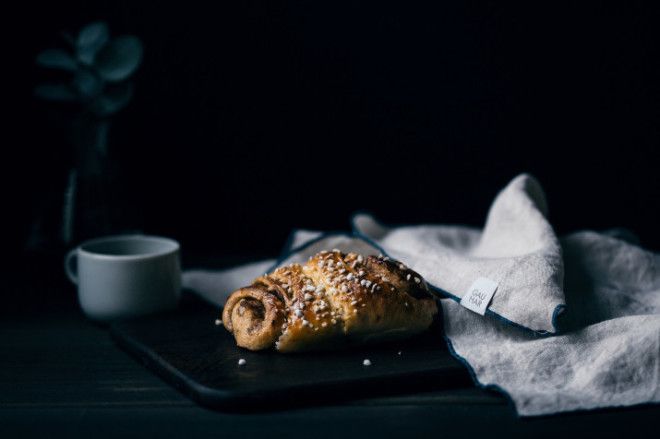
93	204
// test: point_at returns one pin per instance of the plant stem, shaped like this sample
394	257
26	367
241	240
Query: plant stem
69	207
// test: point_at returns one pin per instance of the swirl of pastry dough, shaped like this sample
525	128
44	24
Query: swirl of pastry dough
255	315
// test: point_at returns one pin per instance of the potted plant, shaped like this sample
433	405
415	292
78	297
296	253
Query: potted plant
98	70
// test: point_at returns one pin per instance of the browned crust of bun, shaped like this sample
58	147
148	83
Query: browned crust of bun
332	300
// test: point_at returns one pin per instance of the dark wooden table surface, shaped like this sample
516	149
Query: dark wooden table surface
62	376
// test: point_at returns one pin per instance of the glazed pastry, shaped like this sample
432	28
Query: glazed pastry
333	300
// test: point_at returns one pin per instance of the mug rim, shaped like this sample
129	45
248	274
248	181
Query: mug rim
174	247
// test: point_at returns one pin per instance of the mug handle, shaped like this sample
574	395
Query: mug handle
71	273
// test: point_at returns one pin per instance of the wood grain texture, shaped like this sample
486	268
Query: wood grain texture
62	376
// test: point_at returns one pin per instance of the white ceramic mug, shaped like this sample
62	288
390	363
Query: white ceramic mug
125	276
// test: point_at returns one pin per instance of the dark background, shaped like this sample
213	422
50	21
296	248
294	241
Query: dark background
252	118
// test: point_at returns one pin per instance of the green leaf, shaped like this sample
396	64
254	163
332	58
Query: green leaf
93	34
90	40
113	99
56	59
55	92
118	59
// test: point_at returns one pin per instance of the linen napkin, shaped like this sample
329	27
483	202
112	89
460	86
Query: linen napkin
609	354
517	250
573	323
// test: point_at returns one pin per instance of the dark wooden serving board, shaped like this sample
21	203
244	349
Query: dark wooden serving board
200	359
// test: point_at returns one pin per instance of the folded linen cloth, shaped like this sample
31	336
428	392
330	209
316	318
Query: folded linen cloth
517	249
574	323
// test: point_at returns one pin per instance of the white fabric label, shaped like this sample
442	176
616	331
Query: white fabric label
478	296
